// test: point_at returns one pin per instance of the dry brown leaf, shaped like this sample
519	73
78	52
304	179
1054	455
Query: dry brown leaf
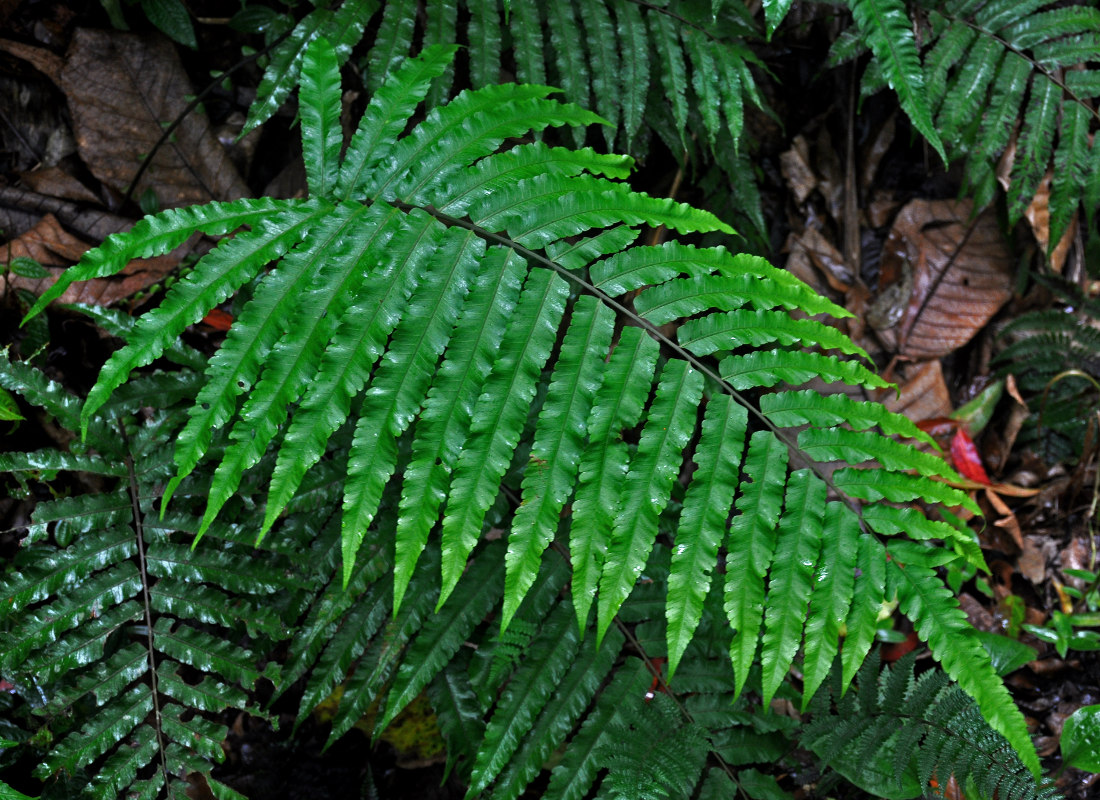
55	182
827	259
1007	520
796	169
1038	216
873	153
21	209
122	89
961	273
923	392
56	249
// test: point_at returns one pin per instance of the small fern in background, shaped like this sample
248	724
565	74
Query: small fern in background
997	75
1054	355
435	344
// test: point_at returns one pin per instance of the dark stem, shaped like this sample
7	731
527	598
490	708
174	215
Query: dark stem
140	531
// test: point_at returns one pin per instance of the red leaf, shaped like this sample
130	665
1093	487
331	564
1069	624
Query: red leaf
966	459
218	320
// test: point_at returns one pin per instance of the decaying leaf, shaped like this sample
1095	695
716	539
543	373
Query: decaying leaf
958	273
56	249
122	90
922	392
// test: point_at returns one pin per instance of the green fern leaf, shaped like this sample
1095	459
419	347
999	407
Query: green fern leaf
733	329
40	391
603	464
940	622
791	577
830	600
314	301
424	161
604	63
573	777
1070	165
386	116
545	664
111	724
669	426
838	444
485	41
569	52
500	171
527	32
343	28
704	79
967	94
870	588
684	297
666	37
885	26
790	409
357	340
444	633
998	122
775	11
569	700
703	521
752	540
764	368
458	711
634	82
214	278
498	418
897	487
439	29
1035	145
205	652
159	234
445	420
320	109
392	43
400	383
558	443
950	47
207	695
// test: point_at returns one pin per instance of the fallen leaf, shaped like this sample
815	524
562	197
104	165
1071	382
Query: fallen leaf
960	271
122	90
923	392
827	259
1037	214
1007	521
965	457
56	249
796	169
55	182
21	209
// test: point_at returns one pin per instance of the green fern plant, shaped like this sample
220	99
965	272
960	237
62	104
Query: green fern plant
1054	355
109	621
996	74
897	733
615	56
430	347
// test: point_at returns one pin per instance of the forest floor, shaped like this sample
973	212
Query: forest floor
61	194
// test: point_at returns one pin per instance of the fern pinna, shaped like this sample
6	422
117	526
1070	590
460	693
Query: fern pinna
431	348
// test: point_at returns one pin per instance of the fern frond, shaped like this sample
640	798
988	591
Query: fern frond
756	327
448	409
765	368
831	597
790	580
940	622
320	110
618	406
703	520
752	540
498	418
557	447
668	428
545	664
886	28
634	46
572	778
401	381
807	407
